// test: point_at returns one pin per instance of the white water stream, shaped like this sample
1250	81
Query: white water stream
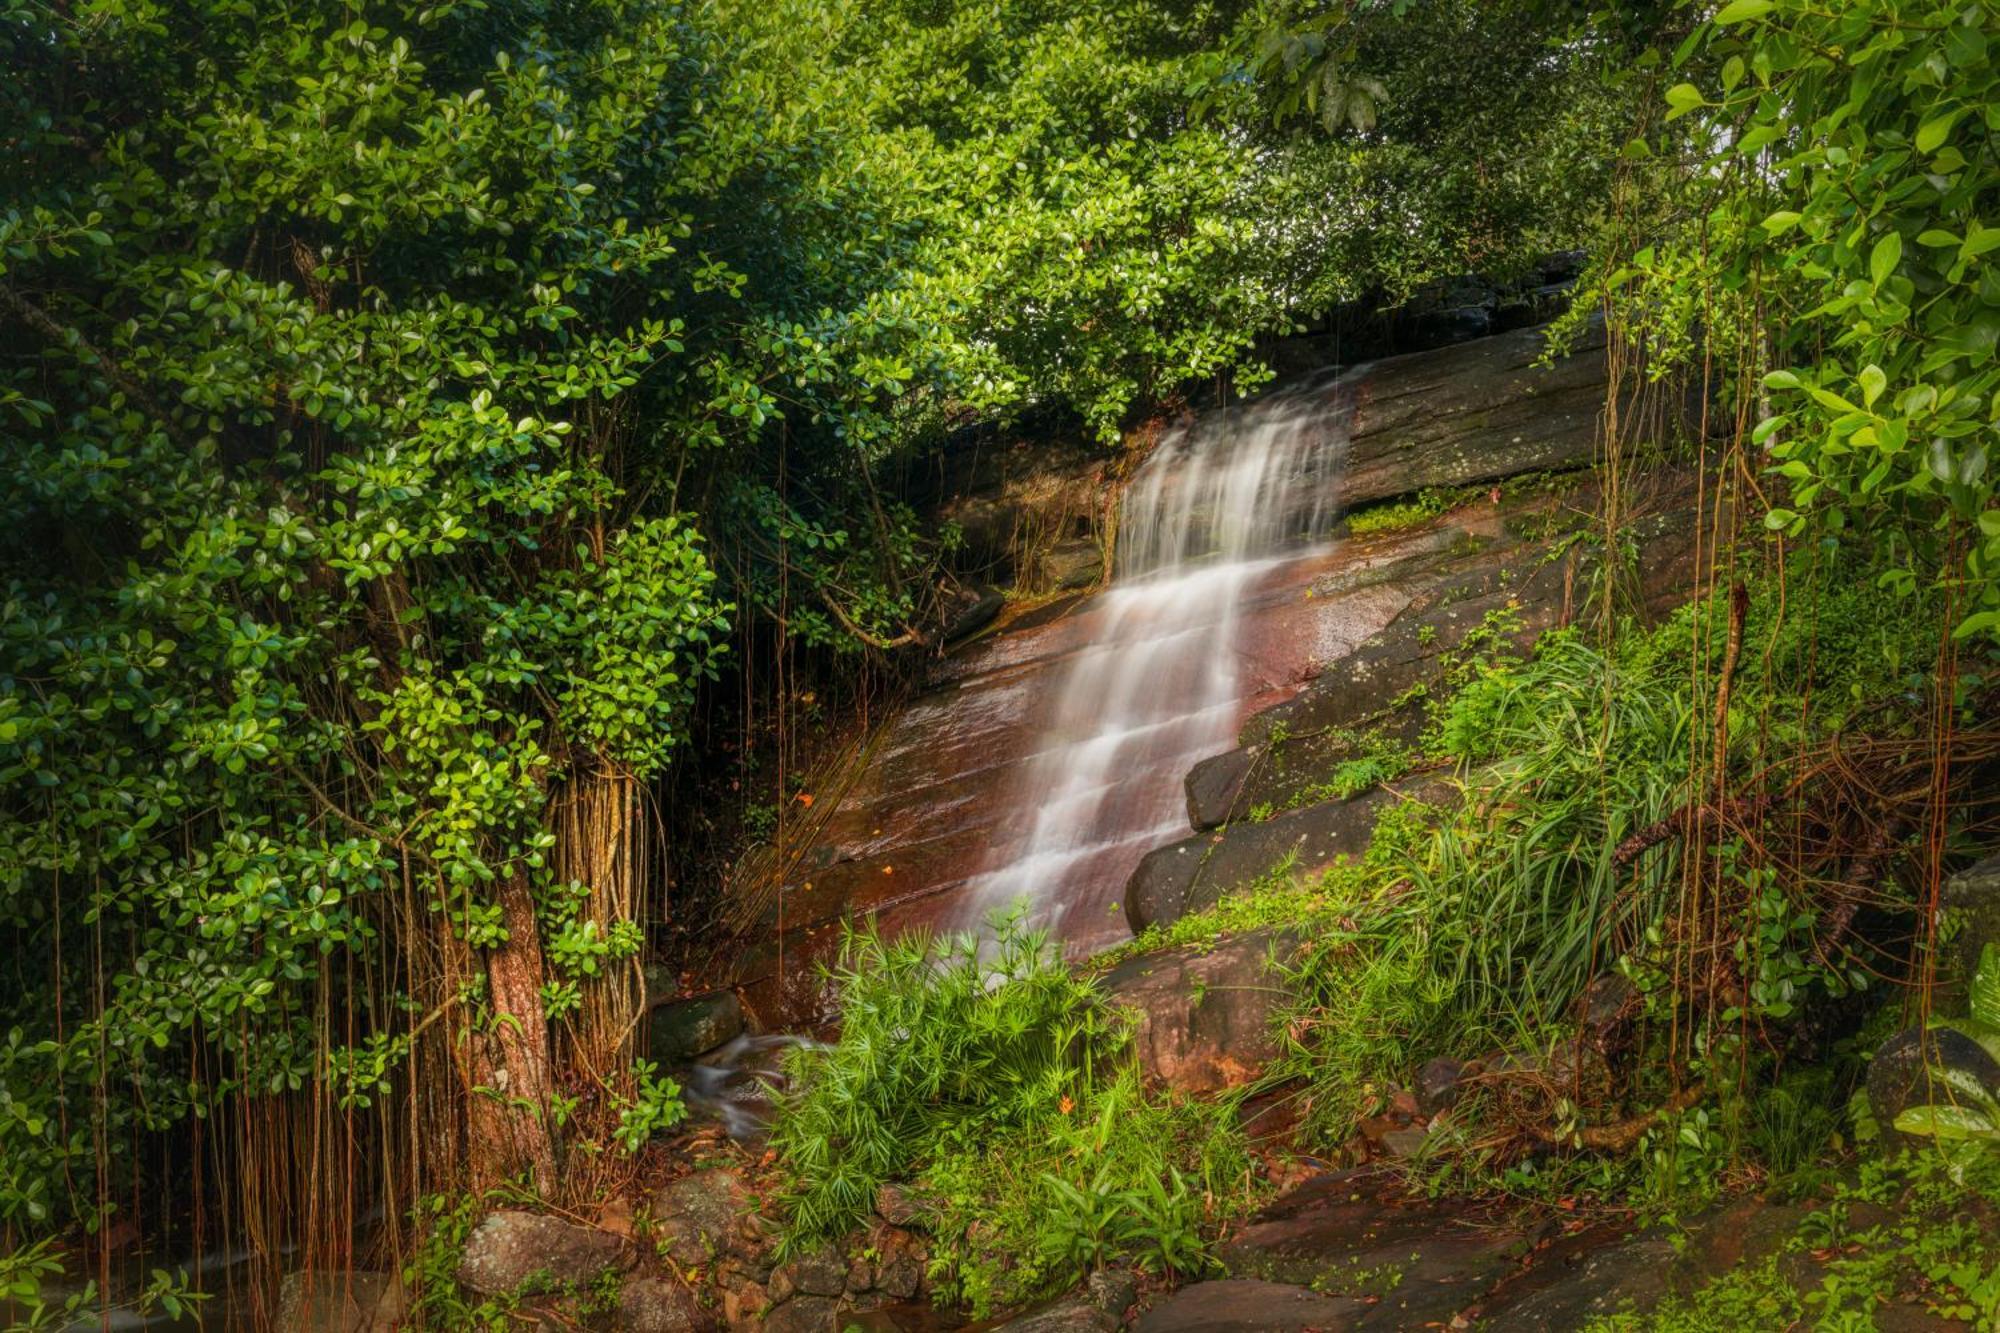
1219	503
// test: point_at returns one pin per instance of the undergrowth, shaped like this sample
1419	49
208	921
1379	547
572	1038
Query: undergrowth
992	1082
1472	927
1913	1233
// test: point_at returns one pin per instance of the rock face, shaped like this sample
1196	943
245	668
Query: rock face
910	834
1203	1015
1196	872
1418	1263
1476	412
680	1030
1246	1305
510	1250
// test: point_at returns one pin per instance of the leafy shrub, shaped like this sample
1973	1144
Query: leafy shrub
937	1041
988	1079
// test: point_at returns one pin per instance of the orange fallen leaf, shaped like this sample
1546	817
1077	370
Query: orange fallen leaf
805	799
1065	1106
888	870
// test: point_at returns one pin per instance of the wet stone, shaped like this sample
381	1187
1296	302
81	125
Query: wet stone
1249	1305
1202	1014
680	1030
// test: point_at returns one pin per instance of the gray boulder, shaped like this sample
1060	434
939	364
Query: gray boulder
320	1301
511	1250
680	1030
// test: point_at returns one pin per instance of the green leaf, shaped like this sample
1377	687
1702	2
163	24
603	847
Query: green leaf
1933	131
1683	98
1986	987
1782	220
1945	1122
1872	381
1742	11
1882	260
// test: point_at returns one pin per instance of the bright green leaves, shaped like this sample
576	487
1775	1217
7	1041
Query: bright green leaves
1743	11
1853	202
1683	98
1882	260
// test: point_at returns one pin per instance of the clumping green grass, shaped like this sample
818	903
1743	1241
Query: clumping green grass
996	1086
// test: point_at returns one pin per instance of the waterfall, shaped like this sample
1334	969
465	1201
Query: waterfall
1220	502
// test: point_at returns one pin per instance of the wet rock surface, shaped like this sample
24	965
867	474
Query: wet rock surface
1355	1234
680	1030
1197	872
1248	1305
909	838
1202	1014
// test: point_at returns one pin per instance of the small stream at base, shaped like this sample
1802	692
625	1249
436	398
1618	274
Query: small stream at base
1223	501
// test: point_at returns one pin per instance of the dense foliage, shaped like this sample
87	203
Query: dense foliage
1819	206
403	404
992	1085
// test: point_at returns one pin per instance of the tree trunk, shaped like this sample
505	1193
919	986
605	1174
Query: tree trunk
600	842
511	1075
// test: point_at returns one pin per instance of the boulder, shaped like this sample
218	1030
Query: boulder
1972	898
1077	563
1247	1305
1439	1082
655	1305
1112	1290
1215	784
901	1264
822	1272
803	1314
680	1030
1202	1014
320	1301
510	1250
1199	871
1904	1073
697	1216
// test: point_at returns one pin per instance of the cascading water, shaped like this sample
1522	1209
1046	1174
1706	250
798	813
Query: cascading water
1219	504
